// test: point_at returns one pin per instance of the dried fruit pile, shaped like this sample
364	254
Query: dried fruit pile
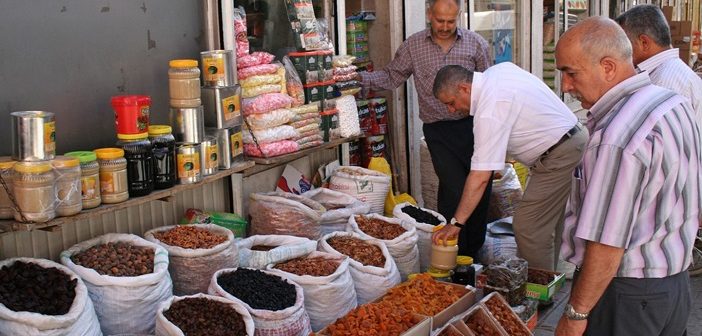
262	248
504	315
317	266
117	259
205	317
259	290
479	324
32	288
420	215
540	277
372	319
378	228
359	250
190	237
423	295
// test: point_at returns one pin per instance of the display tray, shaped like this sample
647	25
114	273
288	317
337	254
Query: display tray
545	292
421	328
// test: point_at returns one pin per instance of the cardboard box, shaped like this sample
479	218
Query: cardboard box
501	303
545	293
480	312
533	319
458	307
422	328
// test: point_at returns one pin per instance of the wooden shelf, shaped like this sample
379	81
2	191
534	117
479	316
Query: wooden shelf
164	195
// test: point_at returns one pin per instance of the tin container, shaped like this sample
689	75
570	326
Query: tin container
188	126
222	106
33	136
218	68
209	155
229	144
188	161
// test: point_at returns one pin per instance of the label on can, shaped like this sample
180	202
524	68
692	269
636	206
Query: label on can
231	107
113	182
143	119
212	157
213	69
88	187
188	165
50	138
237	144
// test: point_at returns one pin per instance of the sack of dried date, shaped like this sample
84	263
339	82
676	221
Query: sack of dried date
127	278
424	220
339	207
41	297
260	250
202	313
373	269
195	253
282	213
326	282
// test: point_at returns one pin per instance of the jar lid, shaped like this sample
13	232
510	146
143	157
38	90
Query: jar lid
437	273
65	162
109	153
143	100
33	167
160	129
448	241
83	156
125	100
137	136
6	162
464	260
183	63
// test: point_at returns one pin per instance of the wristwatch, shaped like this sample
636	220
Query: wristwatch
456	223
571	314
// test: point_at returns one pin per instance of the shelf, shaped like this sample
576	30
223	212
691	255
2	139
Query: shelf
164	195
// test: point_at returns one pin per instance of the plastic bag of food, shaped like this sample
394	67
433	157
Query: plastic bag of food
508	277
271	149
266	103
306	110
307	128
311	144
315	138
164	327
345	70
285	213
301	139
227	220
342	86
262	69
271	119
256	58
260	250
506	194
242	42
340	207
278	133
254	91
341	61
305	122
347	77
306	116
293	83
260	80
348	117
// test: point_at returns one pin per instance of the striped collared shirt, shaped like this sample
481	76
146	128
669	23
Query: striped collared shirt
666	69
638	186
420	56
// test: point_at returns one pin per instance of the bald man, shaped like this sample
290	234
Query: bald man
636	203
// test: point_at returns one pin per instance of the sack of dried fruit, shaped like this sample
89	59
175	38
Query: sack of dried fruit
340	207
260	250
44	298
127	277
326	282
372	267
282	213
424	220
195	253
367	185
202	313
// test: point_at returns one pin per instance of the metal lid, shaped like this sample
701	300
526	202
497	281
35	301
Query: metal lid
109	153
183	63
160	130
6	162
32	114
464	260
65	162
83	156
37	167
137	136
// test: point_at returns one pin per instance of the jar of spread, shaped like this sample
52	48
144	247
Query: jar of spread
464	273
68	190
140	165
184	83
163	147
6	172
443	257
113	175
90	178
439	275
34	187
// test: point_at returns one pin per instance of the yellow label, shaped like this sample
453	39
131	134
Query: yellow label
188	165
107	183
50	138
213	68
89	188
212	157
231	107
237	144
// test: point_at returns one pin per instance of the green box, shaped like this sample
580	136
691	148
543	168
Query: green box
545	293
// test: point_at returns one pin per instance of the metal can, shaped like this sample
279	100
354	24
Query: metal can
209	158
222	106
188	161
188	124
33	136
218	68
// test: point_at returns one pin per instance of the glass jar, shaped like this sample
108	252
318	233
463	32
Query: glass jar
184	79
34	188
6	207
444	257
68	191
464	273
90	178
140	165
163	147
439	275
113	175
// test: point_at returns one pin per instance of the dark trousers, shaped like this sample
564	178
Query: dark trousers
450	144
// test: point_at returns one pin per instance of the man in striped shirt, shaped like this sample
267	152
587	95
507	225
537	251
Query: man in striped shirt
636	196
648	31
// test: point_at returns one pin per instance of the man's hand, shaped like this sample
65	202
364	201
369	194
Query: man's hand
447	232
568	327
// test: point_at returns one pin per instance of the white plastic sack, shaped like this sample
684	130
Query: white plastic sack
327	298
340	207
348	116
192	269
506	194
497	247
424	233
285	214
80	319
270	119
366	185
370	282
268	135
124	305
403	248
164	327
292	321
288	247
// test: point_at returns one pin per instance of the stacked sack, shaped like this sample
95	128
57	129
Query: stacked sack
266	132
306	121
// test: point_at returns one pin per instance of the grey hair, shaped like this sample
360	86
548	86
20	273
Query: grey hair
645	20
432	2
605	38
449	77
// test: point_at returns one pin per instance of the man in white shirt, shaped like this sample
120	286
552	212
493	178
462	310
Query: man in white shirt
515	113
648	31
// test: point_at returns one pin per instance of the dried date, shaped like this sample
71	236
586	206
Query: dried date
205	317
540	277
378	228
309	266
117	259
359	250
190	237
262	248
